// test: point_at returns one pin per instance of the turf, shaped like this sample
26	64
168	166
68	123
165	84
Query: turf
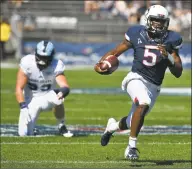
86	152
156	151
79	108
90	79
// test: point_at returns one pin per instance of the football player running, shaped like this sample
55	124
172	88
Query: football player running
36	89
155	50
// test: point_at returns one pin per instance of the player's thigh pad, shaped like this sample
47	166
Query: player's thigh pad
136	88
138	92
44	102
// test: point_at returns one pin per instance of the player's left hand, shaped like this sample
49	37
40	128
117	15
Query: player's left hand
53	97
162	50
60	95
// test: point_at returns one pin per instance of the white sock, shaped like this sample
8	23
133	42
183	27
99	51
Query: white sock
113	127
132	141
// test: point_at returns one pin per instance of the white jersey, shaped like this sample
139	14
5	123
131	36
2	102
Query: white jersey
40	82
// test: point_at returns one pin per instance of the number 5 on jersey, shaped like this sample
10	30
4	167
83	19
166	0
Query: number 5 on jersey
149	57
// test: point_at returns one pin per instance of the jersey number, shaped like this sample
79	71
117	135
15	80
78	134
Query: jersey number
149	57
44	87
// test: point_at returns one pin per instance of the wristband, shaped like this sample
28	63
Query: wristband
65	91
171	59
22	105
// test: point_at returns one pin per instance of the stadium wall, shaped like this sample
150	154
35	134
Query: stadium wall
89	53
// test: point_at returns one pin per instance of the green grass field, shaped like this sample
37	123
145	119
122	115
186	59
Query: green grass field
85	151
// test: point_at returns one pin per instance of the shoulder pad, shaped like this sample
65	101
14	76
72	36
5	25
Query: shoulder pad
132	31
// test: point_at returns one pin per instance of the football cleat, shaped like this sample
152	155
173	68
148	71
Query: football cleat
131	153
107	134
63	131
36	131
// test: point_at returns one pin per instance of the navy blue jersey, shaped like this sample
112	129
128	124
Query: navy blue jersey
148	61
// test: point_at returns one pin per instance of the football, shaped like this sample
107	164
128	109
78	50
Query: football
111	63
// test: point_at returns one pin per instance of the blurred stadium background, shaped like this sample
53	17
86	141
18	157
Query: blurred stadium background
82	31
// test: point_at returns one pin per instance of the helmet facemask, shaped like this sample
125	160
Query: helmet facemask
43	61
157	26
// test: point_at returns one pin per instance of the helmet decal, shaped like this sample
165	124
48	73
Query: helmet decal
44	54
45	48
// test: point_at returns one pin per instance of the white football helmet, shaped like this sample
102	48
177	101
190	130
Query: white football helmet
157	20
44	53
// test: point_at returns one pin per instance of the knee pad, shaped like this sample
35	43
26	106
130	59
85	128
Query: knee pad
138	92
22	131
142	101
25	130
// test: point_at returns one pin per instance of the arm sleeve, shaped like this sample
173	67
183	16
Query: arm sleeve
59	68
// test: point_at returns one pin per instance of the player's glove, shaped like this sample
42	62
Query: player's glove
24	112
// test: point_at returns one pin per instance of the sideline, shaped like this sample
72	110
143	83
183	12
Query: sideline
8	65
164	91
91	143
11	130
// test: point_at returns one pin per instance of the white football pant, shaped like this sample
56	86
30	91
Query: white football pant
141	91
35	106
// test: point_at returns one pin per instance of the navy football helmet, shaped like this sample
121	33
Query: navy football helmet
44	54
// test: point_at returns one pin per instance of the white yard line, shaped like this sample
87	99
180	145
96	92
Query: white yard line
102	118
186	91
65	162
89	143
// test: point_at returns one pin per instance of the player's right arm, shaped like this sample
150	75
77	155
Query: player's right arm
117	51
126	44
20	84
